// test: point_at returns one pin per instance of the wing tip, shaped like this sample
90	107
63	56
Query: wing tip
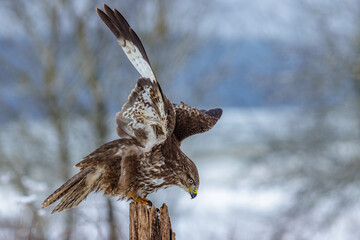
121	28
215	112
106	6
100	12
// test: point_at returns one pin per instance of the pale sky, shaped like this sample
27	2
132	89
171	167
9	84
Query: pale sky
237	19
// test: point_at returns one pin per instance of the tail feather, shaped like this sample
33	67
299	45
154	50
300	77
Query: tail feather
75	189
74	196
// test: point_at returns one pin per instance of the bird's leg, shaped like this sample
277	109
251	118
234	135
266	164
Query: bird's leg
142	200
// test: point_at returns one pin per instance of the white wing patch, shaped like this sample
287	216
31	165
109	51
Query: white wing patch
143	116
128	41
136	58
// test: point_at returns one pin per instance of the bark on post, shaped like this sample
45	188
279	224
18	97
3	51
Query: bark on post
149	224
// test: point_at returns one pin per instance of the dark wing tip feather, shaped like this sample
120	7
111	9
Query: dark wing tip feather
191	121
121	18
216	112
121	28
107	20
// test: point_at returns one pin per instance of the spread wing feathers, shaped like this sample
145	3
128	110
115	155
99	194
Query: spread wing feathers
128	40
75	189
190	121
143	116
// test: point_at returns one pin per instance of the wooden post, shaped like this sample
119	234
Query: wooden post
148	224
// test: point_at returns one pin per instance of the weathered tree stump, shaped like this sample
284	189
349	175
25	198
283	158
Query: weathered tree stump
148	224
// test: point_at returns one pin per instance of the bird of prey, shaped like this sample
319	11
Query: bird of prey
147	156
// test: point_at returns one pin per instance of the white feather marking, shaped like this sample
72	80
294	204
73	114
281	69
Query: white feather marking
137	60
120	152
143	110
152	139
91	178
158	181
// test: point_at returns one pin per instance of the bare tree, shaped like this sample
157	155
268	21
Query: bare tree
309	162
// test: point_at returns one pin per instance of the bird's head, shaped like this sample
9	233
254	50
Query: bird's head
189	178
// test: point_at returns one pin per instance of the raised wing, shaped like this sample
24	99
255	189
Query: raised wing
128	40
190	121
145	117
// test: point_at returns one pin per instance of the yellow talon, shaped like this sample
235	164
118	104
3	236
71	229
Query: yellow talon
142	200
131	195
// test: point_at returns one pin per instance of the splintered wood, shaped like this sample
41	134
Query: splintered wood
147	224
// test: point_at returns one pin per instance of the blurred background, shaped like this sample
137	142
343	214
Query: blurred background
282	163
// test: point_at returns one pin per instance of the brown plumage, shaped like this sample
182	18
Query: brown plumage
147	156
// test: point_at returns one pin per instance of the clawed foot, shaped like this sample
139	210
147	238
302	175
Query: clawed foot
142	200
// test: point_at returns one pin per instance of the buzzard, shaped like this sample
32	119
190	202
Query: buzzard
147	156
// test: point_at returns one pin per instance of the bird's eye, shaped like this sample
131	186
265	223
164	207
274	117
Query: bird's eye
191	181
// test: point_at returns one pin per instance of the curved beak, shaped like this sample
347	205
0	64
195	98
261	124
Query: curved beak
192	193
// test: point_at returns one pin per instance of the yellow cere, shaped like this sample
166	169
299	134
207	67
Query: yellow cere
191	191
